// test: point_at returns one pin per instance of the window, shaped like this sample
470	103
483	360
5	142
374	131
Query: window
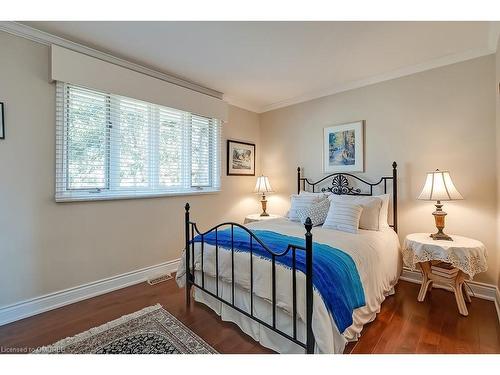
110	146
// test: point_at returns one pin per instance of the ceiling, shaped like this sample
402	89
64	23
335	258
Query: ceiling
266	65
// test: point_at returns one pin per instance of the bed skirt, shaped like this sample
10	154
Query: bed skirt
263	310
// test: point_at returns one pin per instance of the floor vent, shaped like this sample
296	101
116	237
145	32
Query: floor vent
159	279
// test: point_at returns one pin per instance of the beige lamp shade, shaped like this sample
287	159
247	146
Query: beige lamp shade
439	187
262	186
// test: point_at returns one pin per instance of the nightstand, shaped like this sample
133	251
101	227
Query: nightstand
447	263
256	217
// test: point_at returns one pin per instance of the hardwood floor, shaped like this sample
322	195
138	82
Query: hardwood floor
403	325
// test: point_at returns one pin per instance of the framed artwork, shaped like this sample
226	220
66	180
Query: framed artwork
240	158
2	122
343	148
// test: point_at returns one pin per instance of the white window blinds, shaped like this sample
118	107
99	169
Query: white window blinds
110	146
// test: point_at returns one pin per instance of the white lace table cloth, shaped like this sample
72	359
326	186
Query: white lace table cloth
463	253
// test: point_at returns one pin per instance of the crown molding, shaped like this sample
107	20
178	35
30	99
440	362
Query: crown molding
493	35
242	104
38	36
42	37
398	73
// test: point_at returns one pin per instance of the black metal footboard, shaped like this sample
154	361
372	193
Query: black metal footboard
191	230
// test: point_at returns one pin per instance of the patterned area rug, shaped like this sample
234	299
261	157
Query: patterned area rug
152	330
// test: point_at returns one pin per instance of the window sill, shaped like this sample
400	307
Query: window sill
90	197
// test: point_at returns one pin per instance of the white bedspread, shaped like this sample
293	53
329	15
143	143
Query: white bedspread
375	253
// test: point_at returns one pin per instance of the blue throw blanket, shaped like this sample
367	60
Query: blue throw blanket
335	275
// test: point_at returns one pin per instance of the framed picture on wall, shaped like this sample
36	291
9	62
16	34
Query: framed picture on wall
343	148
240	158
2	122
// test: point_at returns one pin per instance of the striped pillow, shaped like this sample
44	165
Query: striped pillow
317	212
343	216
302	201
370	217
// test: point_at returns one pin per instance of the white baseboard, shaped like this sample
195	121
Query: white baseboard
497	304
65	297
480	290
37	305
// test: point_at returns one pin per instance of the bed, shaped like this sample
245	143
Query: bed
277	281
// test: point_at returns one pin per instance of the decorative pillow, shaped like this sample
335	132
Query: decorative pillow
317	212
343	216
370	217
320	194
302	201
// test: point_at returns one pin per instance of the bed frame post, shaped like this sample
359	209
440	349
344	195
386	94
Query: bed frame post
298	180
395	195
309	287
188	269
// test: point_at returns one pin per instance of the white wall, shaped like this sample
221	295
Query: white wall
47	246
442	118
497	107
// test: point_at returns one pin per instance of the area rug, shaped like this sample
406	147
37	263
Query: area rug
152	330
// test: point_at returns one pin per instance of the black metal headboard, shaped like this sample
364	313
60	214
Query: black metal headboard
341	186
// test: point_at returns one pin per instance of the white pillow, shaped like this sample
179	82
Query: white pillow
317	212
302	201
370	217
343	216
384	211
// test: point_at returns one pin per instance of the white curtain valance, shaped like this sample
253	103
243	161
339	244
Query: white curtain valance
79	69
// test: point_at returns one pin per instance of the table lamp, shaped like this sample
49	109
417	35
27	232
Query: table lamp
439	187
262	187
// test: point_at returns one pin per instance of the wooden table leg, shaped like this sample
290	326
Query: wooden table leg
458	285
426	282
459	294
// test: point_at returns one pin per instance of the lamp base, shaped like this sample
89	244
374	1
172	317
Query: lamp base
264	205
441	236
439	216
